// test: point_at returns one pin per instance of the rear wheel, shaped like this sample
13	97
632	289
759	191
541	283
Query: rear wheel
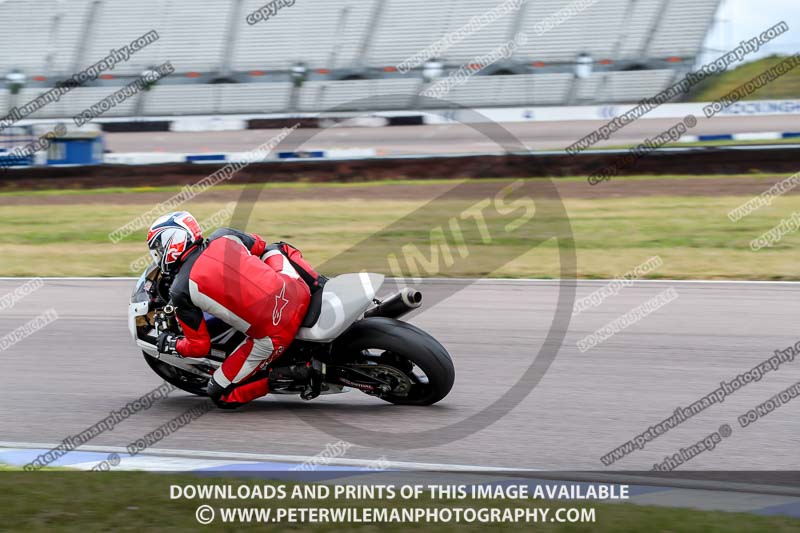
417	368
180	378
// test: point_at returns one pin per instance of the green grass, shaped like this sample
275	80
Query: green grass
714	87
754	142
692	235
307	186
697	144
296	185
136	502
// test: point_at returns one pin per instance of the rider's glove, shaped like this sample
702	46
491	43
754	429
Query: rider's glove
166	343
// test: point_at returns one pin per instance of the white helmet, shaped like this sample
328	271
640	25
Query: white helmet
171	238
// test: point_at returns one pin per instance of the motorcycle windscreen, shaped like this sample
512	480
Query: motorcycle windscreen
141	290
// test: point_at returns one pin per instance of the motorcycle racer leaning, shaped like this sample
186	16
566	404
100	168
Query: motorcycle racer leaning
259	289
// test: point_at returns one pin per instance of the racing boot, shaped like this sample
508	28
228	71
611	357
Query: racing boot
215	393
309	376
316	377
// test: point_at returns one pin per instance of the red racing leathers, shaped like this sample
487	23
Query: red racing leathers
252	287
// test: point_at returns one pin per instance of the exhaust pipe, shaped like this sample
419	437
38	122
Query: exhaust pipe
397	305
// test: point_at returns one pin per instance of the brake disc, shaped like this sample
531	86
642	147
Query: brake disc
400	382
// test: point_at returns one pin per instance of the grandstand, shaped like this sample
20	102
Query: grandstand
351	50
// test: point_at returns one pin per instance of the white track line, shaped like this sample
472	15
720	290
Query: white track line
260	457
565	476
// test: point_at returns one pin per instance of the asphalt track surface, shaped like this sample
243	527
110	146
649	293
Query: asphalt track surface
70	374
426	140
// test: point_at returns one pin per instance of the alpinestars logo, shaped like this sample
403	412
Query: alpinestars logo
280	304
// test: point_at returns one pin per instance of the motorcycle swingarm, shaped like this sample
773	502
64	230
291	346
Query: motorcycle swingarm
351	377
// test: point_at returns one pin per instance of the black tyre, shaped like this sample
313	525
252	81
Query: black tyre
404	347
185	381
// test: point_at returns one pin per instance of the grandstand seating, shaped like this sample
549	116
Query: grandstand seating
323	33
254	97
352	39
479	43
594	31
76	101
182	100
681	29
517	90
191	35
221	98
407	27
623	86
642	17
45	42
359	94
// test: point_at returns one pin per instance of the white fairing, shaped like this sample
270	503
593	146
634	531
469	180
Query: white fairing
134	310
344	300
138	309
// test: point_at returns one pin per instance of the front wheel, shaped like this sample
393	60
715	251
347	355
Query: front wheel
418	367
